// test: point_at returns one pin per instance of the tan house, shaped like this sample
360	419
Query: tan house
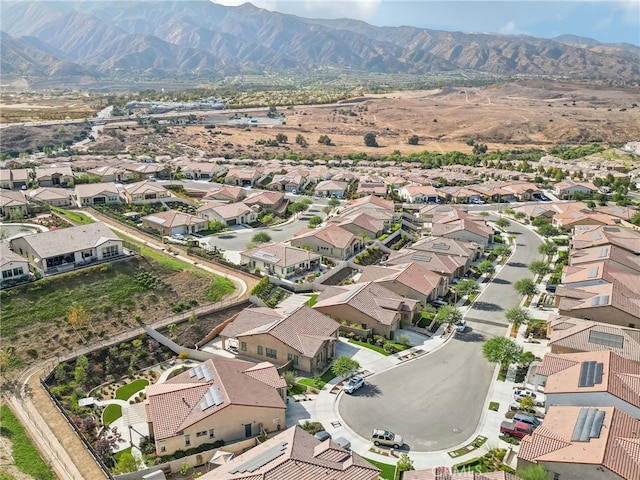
13	205
280	259
568	188
221	399
173	222
331	241
303	337
457	194
92	194
243	176
54	176
225	193
66	249
445	473
375	188
419	194
269	202
231	213
14	178
361	224
600	378
445	265
54	197
295	454
147	170
568	220
369	305
331	188
110	173
145	192
466	229
599	443
573	335
607	255
595	236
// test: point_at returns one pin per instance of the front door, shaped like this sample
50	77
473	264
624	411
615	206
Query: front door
247	430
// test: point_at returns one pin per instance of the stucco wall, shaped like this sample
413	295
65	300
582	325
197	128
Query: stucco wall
604	314
351	315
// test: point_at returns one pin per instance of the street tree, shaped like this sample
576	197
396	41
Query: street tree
547	248
538	267
517	316
448	314
525	287
344	366
483	213
502	250
315	221
548	230
486	266
503	222
501	350
466	287
404	463
370	140
261	237
334	202
519	215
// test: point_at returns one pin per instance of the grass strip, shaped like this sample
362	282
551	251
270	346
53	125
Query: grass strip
375	348
126	391
111	413
75	217
388	471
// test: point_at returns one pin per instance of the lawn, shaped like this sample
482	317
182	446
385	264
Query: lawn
26	456
313	298
75	217
220	287
375	348
324	379
126	391
494	406
111	413
388	471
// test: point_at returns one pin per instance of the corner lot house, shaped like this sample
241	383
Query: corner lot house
13	205
231	214
14	178
145	192
58	251
331	240
91	194
220	399
296	454
172	222
280	259
568	188
304	337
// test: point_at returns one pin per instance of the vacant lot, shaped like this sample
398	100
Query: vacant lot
115	296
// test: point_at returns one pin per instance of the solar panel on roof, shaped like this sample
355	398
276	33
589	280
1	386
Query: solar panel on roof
588	425
593	272
441	246
262	459
208	375
596	235
421	258
606	339
590	374
603	252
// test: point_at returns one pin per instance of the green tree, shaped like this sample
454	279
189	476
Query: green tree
548	230
281	138
127	463
344	366
486	266
533	472
538	222
503	222
315	221
334	202
519	215
517	316
261	237
483	214
300	140
501	350
466	287
325	140
290	377
449	314
636	219
413	140
404	463
539	267
217	226
172	329
370	140
547	248
525	287
5	361
502	250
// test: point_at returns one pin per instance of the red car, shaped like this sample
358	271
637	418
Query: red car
515	429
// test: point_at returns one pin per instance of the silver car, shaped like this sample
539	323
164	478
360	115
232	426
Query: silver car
384	437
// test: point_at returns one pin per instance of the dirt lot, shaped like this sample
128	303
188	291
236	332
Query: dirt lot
33	107
503	116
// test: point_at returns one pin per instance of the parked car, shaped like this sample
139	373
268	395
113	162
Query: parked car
515	429
551	288
438	303
461	326
528	419
384	437
518	395
322	436
354	384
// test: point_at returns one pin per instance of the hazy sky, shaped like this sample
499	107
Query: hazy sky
606	21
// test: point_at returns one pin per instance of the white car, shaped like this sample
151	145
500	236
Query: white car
461	325
354	384
518	395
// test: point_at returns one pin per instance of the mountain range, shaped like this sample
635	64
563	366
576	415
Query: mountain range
200	39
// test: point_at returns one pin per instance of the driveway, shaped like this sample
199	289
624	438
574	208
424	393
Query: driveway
435	402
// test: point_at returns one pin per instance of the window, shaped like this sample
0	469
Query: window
111	251
271	353
201	434
18	271
260	350
243	346
294	357
212	433
163	447
187	440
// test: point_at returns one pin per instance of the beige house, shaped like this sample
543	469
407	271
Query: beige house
445	265
595	236
109	173
145	192
331	188
419	194
91	194
331	240
304	337
173	222
231	214
280	259
599	443
269	202
295	454
568	188
66	249
361	224
242	176
369	305
221	399
225	194
14	178
54	197
466	229
13	267
13	205
54	176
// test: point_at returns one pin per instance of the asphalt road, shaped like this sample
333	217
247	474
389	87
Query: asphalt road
435	402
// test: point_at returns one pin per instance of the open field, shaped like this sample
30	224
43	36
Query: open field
504	116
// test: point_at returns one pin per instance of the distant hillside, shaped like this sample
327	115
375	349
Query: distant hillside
203	39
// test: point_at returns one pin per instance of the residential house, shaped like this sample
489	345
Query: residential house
370	305
296	454
91	194
292	182
599	443
617	211
371	188
444	473
361	224
173	222
567	189
572	335
200	170
243	176
455	194
466	230
472	251
145	192
493	192
609	255
522	191
445	265
220	399
225	193
58	251
231	214
595	236
268	202
330	240
13	205
54	176
373	206
111	173
419	194
533	212
303	337
54	197
410	280
140	171
331	188
568	220
14	178
280	259
14	268
601	378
